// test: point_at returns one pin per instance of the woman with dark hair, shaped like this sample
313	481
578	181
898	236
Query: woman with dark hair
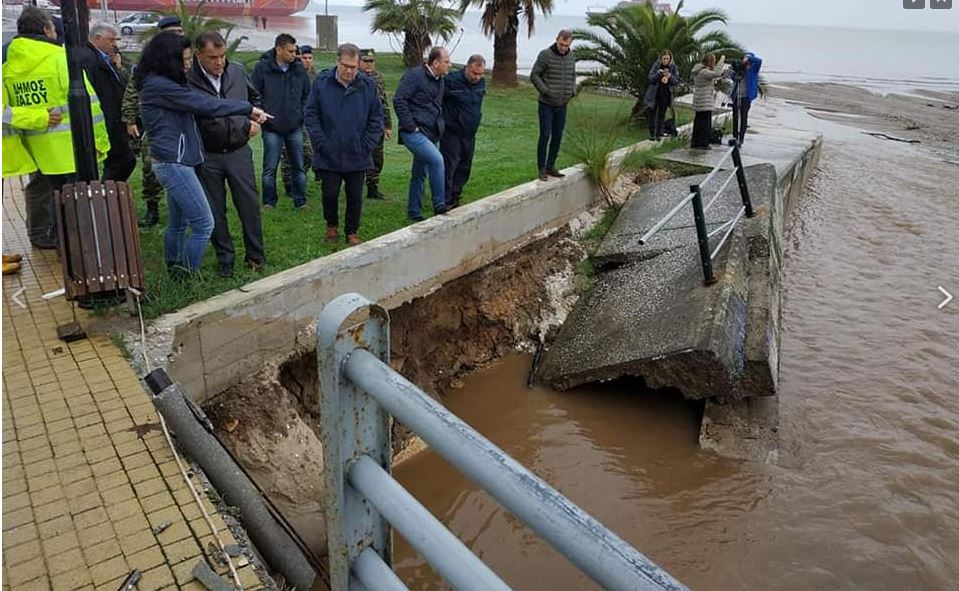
663	76
168	108
705	75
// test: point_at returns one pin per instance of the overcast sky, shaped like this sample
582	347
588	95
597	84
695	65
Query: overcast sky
872	14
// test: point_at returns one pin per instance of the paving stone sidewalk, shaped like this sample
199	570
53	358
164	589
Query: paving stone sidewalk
83	487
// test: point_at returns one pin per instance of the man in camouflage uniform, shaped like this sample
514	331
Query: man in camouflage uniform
368	67
130	116
306	56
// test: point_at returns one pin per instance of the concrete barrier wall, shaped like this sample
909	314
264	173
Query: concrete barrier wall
211	345
216	342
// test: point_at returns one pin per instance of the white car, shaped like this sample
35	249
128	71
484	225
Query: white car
137	22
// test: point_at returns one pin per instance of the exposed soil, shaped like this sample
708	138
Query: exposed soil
267	421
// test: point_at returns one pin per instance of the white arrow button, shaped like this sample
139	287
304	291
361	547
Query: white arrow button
948	297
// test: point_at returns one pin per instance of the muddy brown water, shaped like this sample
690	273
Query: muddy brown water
866	495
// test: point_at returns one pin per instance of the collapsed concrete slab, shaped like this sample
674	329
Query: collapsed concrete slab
676	333
722	345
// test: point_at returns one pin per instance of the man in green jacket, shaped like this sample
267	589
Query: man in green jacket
368	67
554	76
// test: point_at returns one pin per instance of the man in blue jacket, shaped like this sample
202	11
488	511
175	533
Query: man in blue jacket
418	102
462	111
744	92
344	118
282	81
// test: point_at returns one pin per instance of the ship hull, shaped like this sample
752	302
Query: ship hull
257	8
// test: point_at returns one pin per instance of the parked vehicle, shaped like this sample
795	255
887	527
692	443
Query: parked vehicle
137	22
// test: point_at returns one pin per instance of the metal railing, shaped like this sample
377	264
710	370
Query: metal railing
695	196
358	393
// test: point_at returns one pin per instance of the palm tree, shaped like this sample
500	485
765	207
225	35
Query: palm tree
501	21
194	22
417	20
635	36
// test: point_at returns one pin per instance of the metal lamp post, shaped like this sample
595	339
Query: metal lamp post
81	120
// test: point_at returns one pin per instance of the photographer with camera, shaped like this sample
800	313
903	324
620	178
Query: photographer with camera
663	76
705	75
745	90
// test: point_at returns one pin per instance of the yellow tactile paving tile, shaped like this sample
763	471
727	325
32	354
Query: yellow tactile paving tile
82	491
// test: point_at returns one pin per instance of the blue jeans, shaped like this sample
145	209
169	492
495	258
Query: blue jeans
188	207
426	160
552	122
272	147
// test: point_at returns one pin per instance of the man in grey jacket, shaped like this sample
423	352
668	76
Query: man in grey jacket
554	76
228	157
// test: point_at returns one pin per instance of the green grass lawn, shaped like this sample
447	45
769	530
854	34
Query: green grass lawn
505	157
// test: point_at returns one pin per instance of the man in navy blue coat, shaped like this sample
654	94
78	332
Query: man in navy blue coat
344	118
418	102
462	110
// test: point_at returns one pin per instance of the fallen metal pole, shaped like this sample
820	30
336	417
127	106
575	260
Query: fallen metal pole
659	225
732	226
720	190
444	551
276	545
596	550
716	168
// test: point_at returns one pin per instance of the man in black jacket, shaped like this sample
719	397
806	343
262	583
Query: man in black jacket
418	103
282	81
462	110
229	159
109	83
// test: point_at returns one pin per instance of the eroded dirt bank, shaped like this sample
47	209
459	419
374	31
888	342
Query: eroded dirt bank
269	422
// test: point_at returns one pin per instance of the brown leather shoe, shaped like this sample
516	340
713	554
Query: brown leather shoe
353	240
12	258
11	268
555	173
332	234
543	176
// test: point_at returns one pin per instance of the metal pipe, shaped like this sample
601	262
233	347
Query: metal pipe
375	574
716	168
702	237
276	545
659	225
720	228
720	190
732	226
597	551
444	551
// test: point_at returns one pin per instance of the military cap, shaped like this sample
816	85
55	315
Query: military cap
169	21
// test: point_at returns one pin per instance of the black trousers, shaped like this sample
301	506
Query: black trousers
330	188
741	118
56	185
236	170
657	115
702	129
120	161
457	153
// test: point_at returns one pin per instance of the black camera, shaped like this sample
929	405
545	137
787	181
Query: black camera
739	68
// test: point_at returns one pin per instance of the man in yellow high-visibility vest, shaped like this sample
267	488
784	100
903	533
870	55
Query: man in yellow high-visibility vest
36	117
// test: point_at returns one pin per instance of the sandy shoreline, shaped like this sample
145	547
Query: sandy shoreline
933	121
